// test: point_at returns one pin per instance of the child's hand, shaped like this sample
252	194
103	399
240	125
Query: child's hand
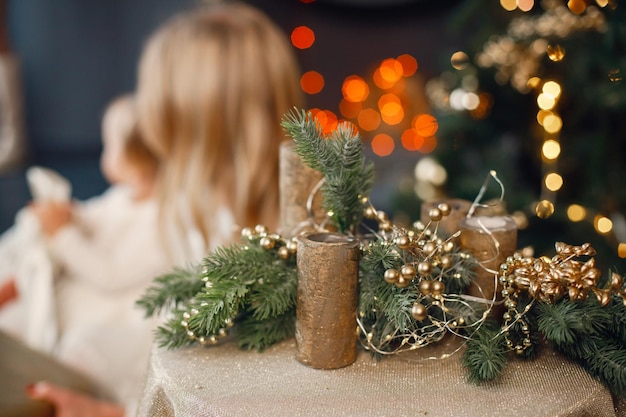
8	291
52	216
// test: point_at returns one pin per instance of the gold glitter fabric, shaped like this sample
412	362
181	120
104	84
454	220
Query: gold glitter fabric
225	381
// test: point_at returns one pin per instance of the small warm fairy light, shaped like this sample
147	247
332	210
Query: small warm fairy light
553	181
551	89
425	125
541	115
368	119
302	37
533	82
350	109
355	89
312	82
544	209
551	149
470	101
508	5
577	6
552	123
382	144
409	64
525	5
576	213
621	250
555	52
545	102
614	75
459	60
411	140
602	224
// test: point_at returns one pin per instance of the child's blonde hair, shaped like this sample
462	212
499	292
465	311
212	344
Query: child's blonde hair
213	85
119	123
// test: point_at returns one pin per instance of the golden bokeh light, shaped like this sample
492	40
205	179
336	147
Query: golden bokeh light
615	76
382	144
508	5
602	3
551	149
551	89
355	89
541	115
380	81
368	119
602	224
553	181
577	6
459	60
525	5
425	125
392	113
555	52
576	213
302	37
312	82
350	109
411	140
621	250
552	123
533	82
544	209
545	102
409	65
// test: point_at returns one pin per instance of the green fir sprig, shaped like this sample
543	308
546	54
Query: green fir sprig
348	177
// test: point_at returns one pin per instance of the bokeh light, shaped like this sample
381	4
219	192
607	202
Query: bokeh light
552	123
350	109
382	144
459	60
391	109
390	70
577	6
326	119
545	102
411	140
368	119
602	224
621	250
508	5
302	37
429	170
429	145
551	89
409	65
425	125
525	5
551	149
553	181
312	82
355	89
555	52
544	209
576	213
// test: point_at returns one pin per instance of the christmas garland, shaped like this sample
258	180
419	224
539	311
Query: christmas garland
411	283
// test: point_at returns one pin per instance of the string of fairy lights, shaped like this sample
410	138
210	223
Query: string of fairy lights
382	104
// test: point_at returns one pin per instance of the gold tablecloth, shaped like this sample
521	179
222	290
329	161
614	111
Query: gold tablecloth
225	381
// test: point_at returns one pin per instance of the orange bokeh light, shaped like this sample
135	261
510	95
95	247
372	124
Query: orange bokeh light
327	120
302	37
380	81
312	82
390	70
382	144
350	109
411	140
368	119
409	65
425	124
429	145
392	113
355	89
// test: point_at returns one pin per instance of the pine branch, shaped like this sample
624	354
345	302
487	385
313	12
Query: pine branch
485	356
566	322
259	334
276	294
171	290
348	176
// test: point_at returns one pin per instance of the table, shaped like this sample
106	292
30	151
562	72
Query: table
226	381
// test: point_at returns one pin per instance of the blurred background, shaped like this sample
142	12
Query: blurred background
442	92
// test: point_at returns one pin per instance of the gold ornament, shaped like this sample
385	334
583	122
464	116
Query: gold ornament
438	287
408	272
419	312
391	276
446	261
424	268
403	241
402	282
425	286
429	248
267	242
283	253
369	212
435	214
445	209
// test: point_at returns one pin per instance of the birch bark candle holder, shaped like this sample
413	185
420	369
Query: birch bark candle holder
326	304
491	239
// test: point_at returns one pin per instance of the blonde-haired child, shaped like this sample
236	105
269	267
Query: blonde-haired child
213	85
108	251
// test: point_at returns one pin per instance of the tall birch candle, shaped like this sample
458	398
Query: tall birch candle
328	271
